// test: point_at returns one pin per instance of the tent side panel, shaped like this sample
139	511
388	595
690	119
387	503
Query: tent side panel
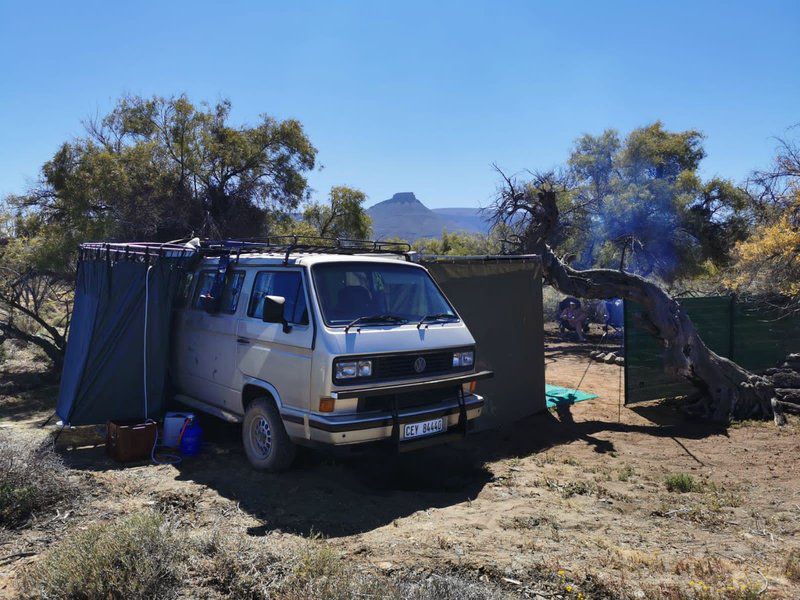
109	381
501	302
90	289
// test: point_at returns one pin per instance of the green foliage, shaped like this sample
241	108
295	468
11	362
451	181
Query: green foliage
640	203
461	244
682	482
139	556
162	168
152	169
343	217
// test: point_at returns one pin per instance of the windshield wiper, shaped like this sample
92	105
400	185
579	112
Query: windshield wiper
375	320
437	317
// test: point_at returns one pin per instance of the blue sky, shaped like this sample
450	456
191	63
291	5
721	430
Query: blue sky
412	96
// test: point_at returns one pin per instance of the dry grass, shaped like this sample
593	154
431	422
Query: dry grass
140	556
792	567
32	480
625	473
263	568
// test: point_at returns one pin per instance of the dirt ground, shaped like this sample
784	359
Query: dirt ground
576	497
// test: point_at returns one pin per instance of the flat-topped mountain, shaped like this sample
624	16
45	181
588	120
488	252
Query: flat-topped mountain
405	217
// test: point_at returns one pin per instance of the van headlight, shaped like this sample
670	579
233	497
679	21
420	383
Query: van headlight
463	359
349	369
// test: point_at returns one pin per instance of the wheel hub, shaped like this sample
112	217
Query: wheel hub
261	436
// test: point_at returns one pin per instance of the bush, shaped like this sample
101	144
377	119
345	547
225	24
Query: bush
310	569
32	479
139	556
258	569
681	482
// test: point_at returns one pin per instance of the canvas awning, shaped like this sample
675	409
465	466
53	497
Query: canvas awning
118	346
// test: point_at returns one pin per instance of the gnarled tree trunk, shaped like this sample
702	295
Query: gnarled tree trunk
726	390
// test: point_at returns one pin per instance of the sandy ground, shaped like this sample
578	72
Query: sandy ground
576	495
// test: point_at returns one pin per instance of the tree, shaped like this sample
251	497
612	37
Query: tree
768	262
640	203
343	217
35	304
153	170
163	168
530	211
456	244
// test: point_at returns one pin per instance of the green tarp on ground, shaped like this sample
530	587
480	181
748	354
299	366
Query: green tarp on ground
557	395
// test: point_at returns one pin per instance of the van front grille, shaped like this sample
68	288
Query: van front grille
402	365
407	400
407	365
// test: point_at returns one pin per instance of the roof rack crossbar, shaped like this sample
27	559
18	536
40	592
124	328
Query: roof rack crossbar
297	244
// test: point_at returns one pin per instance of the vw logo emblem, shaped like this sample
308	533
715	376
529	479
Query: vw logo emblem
419	364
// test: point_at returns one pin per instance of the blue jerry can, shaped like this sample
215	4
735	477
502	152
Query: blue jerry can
192	437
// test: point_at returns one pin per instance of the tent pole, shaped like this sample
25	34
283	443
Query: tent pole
146	306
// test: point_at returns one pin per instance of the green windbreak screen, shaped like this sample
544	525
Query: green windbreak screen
748	333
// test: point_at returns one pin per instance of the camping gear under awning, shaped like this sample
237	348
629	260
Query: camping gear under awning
118	347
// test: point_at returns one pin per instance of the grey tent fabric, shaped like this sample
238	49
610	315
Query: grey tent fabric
500	299
104	368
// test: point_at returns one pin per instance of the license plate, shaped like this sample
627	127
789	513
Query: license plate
414	430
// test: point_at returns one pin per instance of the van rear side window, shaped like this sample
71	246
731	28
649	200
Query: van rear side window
230	294
288	284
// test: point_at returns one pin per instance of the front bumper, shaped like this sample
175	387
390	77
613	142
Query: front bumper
373	427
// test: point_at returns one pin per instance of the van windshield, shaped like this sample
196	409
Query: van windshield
352	290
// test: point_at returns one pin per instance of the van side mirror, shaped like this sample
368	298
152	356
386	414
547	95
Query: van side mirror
273	312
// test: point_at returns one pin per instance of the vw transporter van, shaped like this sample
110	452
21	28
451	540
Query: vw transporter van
338	344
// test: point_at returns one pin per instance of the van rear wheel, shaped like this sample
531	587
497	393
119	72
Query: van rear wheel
265	440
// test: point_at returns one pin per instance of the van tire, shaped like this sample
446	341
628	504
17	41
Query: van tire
266	443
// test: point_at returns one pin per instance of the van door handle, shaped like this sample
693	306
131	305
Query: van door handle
242	341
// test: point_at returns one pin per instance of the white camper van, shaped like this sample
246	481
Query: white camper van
332	344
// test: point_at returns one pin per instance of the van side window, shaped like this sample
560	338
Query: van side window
230	294
288	284
232	291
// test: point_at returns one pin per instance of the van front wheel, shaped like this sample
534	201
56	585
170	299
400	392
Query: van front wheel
265	440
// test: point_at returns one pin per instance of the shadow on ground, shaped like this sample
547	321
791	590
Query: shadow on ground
341	497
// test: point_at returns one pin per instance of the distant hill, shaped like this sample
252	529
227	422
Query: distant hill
404	216
467	219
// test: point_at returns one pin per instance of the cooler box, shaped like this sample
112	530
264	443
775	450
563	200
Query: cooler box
128	441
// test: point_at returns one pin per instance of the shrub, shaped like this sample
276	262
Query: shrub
681	482
259	568
139	556
576	488
626	473
32	479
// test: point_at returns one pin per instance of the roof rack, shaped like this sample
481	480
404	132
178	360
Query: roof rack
300	244
279	244
134	250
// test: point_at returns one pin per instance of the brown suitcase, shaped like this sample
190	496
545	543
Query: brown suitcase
128	441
